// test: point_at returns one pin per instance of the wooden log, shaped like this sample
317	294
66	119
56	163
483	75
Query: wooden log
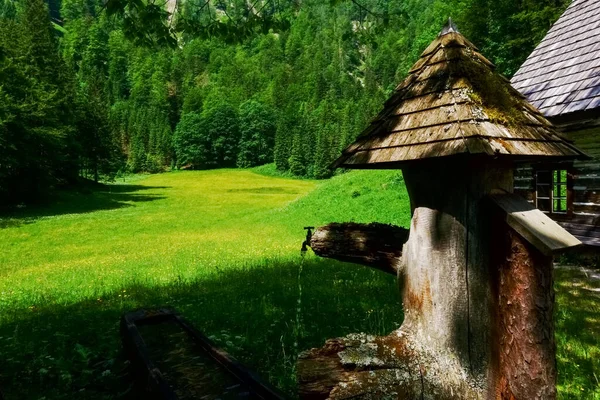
526	348
527	194
477	296
583	219
374	245
443	348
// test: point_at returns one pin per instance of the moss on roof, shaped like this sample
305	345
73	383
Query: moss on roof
454	102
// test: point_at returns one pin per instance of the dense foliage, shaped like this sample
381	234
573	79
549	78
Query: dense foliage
80	99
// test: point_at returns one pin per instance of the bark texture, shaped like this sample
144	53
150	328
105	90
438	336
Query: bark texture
477	303
527	367
374	245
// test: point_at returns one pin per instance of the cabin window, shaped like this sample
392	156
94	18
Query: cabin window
551	191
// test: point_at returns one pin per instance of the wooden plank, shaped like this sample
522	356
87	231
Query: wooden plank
594	233
587	196
523	177
586	182
533	225
570	193
424	103
587	140
564	58
581	229
570	224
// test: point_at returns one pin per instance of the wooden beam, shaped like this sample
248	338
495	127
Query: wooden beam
533	225
374	245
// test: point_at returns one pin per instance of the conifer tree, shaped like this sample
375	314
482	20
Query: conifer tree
257	134
100	102
222	126
39	120
297	161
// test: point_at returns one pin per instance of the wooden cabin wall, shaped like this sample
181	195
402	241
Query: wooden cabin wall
586	174
585	221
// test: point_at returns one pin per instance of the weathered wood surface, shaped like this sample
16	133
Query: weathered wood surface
589	241
477	298
445	346
524	322
535	226
578	219
585	183
441	109
588	234
583	220
375	245
362	366
196	361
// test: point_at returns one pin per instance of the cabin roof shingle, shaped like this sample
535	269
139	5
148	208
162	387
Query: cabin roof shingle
562	75
454	103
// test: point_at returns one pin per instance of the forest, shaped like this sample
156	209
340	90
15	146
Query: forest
84	96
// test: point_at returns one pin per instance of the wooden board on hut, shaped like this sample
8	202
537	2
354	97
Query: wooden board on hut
533	225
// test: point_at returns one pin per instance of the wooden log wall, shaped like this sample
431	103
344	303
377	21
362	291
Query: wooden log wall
586	174
585	221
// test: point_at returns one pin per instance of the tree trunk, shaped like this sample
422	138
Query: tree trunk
374	245
458	337
524	323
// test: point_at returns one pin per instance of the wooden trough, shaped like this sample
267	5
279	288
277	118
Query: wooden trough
171	360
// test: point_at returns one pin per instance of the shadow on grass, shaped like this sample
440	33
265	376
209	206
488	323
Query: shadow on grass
92	198
577	333
255	313
55	351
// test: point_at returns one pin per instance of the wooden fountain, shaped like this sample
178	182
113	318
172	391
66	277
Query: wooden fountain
475	269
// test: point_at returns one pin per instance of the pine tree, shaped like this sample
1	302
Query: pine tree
302	94
297	162
257	134
222	126
192	143
38	123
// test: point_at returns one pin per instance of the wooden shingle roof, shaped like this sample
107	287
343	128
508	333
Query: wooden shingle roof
454	103
562	75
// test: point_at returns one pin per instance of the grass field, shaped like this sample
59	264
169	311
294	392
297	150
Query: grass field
222	247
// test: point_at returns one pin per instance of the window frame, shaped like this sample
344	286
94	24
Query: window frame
557	178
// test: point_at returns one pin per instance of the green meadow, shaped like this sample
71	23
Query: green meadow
223	248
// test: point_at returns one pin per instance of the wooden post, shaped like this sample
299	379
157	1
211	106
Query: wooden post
476	281
524	348
535	187
443	348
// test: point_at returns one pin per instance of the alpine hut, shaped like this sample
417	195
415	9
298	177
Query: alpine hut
562	79
475	270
